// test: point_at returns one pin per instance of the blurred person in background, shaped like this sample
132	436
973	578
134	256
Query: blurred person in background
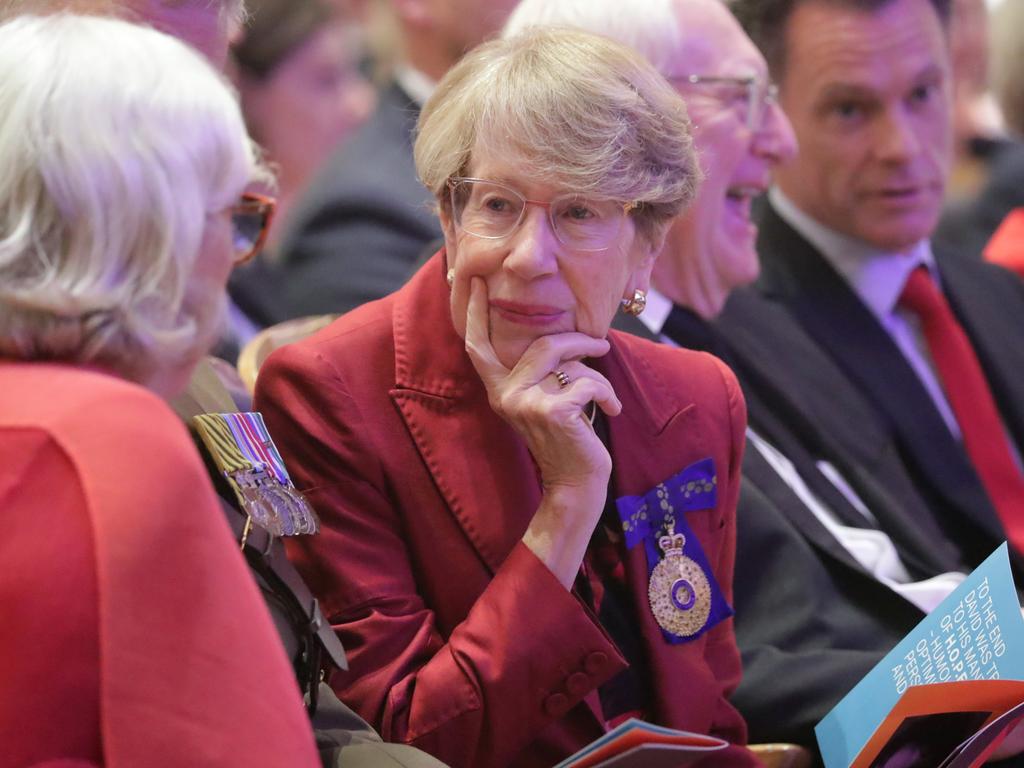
992	223
126	603
361	228
297	69
978	130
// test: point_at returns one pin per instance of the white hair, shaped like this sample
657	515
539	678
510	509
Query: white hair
650	27
116	142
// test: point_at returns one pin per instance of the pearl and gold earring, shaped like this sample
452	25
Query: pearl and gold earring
635	305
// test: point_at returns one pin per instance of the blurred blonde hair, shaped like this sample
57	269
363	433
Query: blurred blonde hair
574	109
116	142
1007	31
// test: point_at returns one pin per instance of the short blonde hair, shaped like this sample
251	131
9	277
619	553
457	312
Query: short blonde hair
116	141
576	109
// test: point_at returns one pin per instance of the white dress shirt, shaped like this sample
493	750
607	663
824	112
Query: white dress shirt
870	547
417	86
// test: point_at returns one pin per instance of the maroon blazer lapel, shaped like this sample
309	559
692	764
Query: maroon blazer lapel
444	406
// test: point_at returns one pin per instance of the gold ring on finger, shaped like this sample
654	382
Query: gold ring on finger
563	378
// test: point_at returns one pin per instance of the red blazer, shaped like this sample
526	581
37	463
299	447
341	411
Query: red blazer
459	639
133	634
1006	248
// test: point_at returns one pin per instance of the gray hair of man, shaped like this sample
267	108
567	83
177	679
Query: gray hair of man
232	11
650	27
116	142
571	108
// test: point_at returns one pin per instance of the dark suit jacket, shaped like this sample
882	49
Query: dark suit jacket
459	639
989	303
810	621
360	228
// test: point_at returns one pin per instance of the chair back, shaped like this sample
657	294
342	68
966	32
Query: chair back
782	755
266	341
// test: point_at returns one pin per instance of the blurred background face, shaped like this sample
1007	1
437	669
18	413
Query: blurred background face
207	25
717	230
436	33
536	285
868	95
464	24
310	102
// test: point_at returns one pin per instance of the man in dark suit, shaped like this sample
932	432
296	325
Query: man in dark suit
828	576
365	222
928	338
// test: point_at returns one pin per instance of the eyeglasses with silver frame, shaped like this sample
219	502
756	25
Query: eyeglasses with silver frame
760	93
492	210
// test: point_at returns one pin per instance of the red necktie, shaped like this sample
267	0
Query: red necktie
971	401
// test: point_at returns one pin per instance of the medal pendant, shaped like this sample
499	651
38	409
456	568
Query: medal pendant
678	591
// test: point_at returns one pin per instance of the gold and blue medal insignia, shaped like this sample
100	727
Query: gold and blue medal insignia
678	590
683	594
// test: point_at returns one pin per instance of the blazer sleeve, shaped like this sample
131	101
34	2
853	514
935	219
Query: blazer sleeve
721	652
477	695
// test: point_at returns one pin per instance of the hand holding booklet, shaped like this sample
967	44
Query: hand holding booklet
948	694
636	744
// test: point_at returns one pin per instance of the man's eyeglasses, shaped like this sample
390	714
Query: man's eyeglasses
250	222
491	210
758	93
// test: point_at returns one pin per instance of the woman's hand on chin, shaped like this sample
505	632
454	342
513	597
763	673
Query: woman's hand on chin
574	464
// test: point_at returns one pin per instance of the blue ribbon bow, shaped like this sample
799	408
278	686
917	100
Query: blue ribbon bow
645	518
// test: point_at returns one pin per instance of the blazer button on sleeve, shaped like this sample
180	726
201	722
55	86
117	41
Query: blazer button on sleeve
596	663
557	704
578	684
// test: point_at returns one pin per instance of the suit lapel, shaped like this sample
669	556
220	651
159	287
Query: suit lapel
792	391
839	322
444	406
764	477
792	379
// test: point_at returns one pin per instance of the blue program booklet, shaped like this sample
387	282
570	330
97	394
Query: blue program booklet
958	671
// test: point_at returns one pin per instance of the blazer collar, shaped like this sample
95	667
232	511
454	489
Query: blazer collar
444	405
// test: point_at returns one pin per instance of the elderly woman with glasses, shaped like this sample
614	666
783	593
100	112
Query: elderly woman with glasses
529	519
133	633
